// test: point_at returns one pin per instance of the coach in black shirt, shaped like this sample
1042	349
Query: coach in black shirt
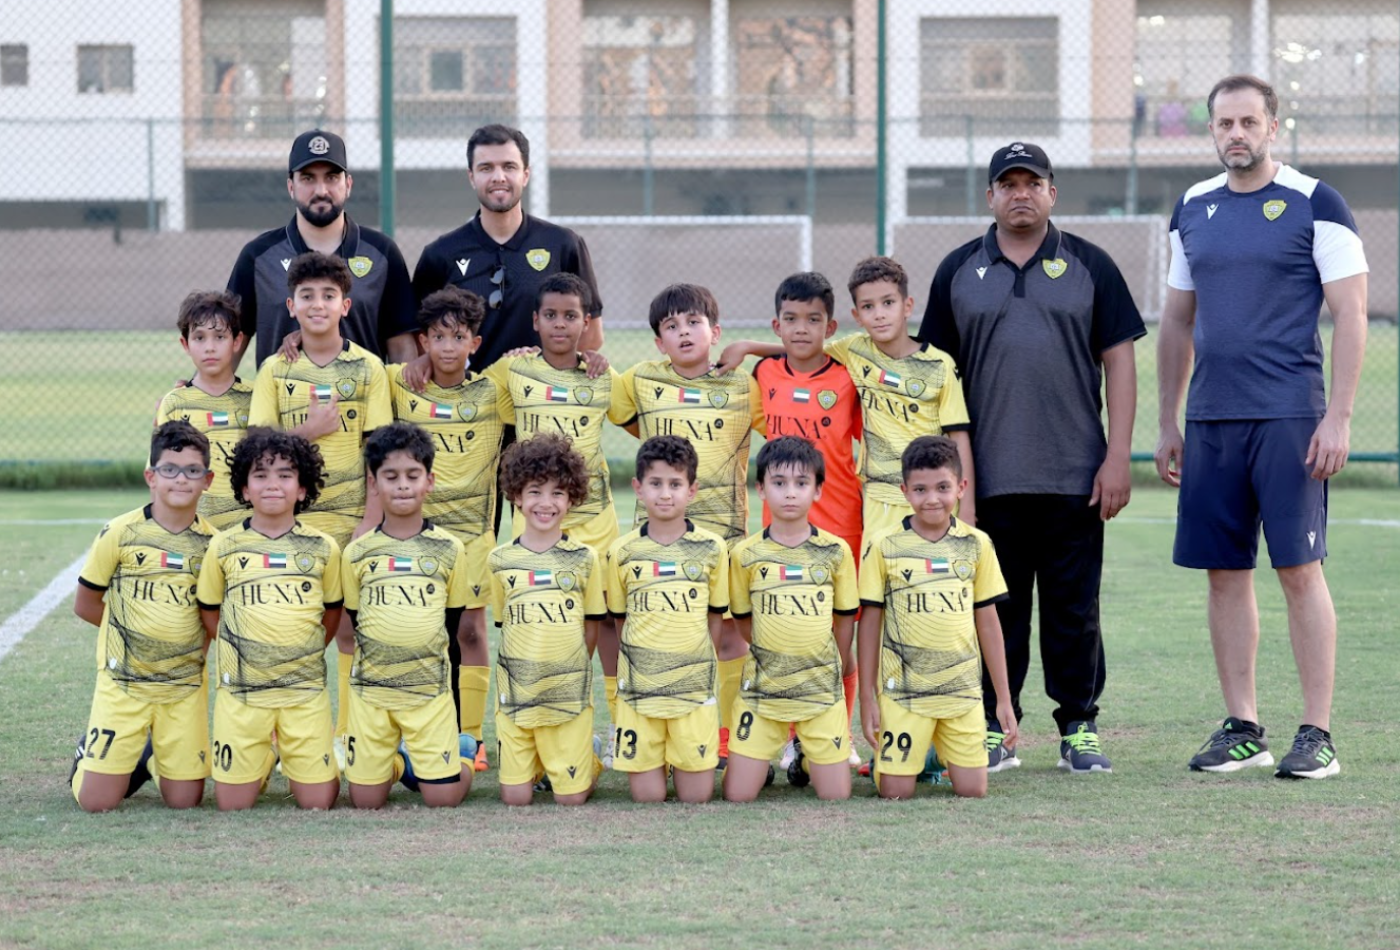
502	253
1035	319
382	310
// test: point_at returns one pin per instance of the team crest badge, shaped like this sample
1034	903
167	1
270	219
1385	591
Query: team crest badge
196	562
718	400
346	388
1055	268
538	258
360	266
428	565
466	412
915	387
819	575
584	395
826	398
693	570
1272	209
963	569
243	419
566	581
305	563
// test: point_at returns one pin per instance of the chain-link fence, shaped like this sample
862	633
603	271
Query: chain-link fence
725	142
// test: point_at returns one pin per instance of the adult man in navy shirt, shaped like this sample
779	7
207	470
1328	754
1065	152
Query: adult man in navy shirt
1036	318
382	316
1255	251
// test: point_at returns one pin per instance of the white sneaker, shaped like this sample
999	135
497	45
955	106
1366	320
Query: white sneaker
611	752
789	755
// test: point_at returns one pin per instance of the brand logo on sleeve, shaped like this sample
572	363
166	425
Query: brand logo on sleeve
462	263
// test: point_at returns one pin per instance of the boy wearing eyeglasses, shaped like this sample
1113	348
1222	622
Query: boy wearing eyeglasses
213	400
138	588
465	413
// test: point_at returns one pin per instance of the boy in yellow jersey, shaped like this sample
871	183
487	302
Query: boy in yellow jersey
137	588
269	591
929	624
465	414
793	593
668	585
907	389
405	585
683	395
547	598
333	395
552	392
214	400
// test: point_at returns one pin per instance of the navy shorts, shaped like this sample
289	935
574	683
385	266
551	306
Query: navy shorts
1236	475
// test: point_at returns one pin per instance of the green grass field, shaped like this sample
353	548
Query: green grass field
1151	856
100	406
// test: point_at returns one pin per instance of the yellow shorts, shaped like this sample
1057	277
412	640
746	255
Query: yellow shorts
119	722
905	737
338	524
689	743
598	532
563	752
243	738
881	518
826	738
429	731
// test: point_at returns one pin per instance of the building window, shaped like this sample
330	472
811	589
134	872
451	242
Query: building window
989	76
1183	47
1336	68
104	69
264	70
453	74
794	76
639	76
14	64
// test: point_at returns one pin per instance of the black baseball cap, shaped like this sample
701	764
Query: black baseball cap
316	146
1020	155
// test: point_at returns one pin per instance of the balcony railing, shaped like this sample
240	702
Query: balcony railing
744	116
258	117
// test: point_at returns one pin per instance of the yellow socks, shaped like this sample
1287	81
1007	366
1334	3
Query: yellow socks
472	683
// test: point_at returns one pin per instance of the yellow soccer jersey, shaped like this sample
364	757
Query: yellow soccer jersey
544	673
466	422
402	590
151	642
271	594
930	662
566	401
283	392
793	672
666	592
901	399
715	413
223	420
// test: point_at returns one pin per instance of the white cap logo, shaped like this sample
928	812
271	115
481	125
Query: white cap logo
318	145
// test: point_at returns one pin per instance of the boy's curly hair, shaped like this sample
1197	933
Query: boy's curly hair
875	269
452	307
177	435
929	452
264	443
210	308
313	265
543	458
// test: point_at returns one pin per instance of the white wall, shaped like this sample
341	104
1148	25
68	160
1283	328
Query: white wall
94	146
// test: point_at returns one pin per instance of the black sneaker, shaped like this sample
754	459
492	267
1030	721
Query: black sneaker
1312	756
1080	751
1000	756
1235	745
79	754
142	773
771	775
796	775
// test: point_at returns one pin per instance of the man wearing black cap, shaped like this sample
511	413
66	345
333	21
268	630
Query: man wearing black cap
1035	319
382	309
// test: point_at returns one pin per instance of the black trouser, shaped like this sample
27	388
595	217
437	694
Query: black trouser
1053	543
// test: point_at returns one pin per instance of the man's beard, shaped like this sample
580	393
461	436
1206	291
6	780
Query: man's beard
1255	158
320	219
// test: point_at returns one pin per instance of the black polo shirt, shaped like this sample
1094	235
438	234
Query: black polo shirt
381	296
1029	343
468	257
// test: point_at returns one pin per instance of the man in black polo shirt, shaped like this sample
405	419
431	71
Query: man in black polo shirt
1035	318
382	310
502	253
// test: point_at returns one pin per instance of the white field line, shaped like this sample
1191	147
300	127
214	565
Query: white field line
14	629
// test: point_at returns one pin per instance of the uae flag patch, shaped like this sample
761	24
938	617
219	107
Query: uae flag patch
691	396
321	392
790	572
555	394
400	563
937	565
216	419
275	560
441	412
541	578
663	569
889	379
802	395
174	562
